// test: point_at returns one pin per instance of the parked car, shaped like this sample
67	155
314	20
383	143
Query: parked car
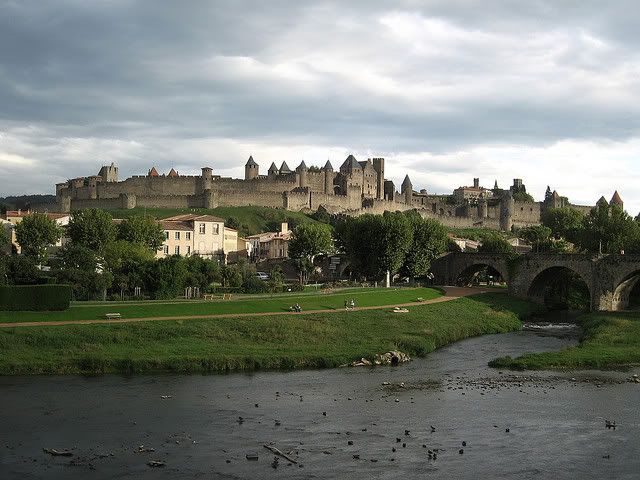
262	275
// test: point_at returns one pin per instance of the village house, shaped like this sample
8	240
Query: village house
270	245
14	217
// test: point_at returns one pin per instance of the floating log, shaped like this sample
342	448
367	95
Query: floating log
278	452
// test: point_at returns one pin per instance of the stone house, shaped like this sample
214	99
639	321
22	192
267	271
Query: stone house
270	245
14	217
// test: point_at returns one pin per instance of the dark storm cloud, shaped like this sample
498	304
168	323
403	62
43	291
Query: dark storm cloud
174	83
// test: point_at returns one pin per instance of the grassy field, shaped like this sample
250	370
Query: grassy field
275	342
611	341
253	219
363	297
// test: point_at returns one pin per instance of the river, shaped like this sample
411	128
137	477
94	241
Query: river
341	423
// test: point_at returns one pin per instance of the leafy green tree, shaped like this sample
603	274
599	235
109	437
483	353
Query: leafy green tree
429	239
565	222
538	236
22	270
276	279
495	244
232	276
143	230
80	267
92	228
608	228
307	241
35	233
523	197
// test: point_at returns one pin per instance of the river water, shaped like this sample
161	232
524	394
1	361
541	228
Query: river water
341	423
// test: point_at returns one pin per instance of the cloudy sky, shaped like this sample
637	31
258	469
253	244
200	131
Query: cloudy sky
444	90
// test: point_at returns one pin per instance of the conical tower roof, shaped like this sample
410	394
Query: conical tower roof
302	166
153	172
328	166
616	200
284	168
407	181
251	162
273	168
173	173
350	164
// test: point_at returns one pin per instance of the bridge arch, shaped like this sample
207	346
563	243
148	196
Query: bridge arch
560	286
478	272
625	290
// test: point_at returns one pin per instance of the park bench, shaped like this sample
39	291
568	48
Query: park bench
112	316
226	296
208	296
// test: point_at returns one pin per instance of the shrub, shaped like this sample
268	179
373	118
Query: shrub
35	297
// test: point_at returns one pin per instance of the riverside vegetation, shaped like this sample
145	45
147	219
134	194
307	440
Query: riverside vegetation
249	343
611	340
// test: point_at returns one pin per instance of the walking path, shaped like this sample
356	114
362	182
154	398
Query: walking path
451	293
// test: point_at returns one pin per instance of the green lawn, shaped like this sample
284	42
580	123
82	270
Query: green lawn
253	219
364	297
223	344
611	340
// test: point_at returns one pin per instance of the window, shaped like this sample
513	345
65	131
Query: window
177	235
166	249
187	235
177	250
203	228
166	235
188	249
216	229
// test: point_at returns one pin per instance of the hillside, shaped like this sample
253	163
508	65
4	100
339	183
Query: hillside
248	220
23	202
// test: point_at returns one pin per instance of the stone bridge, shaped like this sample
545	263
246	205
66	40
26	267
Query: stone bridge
609	278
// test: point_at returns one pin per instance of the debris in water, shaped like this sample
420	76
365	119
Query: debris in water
156	463
57	453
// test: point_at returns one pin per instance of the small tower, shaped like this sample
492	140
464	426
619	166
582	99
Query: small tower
284	169
207	178
378	166
251	169
407	190
616	200
301	173
273	170
328	178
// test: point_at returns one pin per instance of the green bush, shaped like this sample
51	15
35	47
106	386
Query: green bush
35	297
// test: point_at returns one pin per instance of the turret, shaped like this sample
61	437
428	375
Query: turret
251	169
507	206
207	178
273	170
301	173
328	178
378	166
616	200
407	190
483	209
284	169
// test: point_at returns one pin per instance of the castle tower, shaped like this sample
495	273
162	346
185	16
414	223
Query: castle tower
93	186
207	178
378	166
273	171
301	173
109	173
328	178
251	169
407	190
507	207
616	200
284	169
476	183
483	208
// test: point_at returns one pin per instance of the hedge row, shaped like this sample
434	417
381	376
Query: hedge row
35	297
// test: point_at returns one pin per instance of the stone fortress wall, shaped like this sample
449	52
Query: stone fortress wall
358	187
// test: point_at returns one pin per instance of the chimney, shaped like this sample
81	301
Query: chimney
284	227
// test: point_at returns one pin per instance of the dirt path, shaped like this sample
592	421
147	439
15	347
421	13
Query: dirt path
451	293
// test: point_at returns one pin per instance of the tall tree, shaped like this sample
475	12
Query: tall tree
538	236
429	239
92	228
565	222
143	230
609	229
495	244
35	233
307	241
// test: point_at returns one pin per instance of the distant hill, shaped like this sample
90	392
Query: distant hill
23	202
247	220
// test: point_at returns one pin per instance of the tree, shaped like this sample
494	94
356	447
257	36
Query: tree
143	230
609	229
429	239
81	268
307	241
523	197
565	222
35	233
538	236
495	244
92	228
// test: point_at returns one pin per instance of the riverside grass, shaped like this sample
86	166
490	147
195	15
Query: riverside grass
253	343
611	340
364	297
